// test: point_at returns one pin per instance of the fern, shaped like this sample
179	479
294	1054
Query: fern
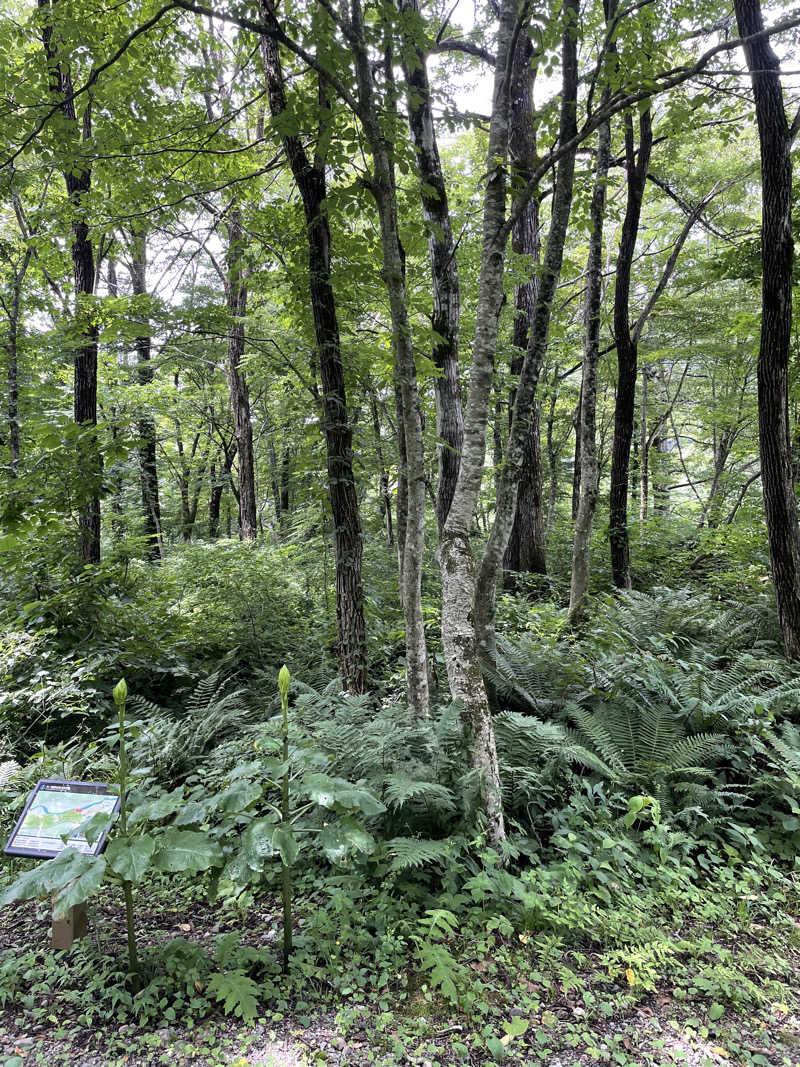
412	852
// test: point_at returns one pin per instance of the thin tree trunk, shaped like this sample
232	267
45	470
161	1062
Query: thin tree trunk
385	499
537	342
644	452
148	464
236	292
12	378
526	546
777	253
78	181
444	270
587	422
576	463
627	348
309	174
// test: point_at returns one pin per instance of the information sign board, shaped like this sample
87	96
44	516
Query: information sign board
51	817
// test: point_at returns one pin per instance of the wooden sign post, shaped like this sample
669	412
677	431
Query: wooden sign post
64	932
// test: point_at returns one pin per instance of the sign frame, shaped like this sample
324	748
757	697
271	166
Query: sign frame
67	786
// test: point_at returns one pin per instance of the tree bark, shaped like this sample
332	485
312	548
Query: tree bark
236	293
148	464
385	499
78	181
526	546
777	253
587	422
537	341
627	348
309	175
444	269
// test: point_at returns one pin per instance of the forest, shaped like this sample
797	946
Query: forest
399	542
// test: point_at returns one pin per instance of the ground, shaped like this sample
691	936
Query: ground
44	1019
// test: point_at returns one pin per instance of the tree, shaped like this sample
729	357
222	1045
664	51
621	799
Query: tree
777	254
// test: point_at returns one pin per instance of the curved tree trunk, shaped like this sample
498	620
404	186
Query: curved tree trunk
777	254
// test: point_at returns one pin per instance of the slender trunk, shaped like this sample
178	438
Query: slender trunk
576	463
385	500
444	271
12	349
537	342
627	348
777	253
587	422
78	181
644	452
553	452
309	174
236	292
115	473
148	465
526	546
461	631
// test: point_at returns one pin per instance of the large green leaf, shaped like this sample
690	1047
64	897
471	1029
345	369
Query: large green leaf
337	840
286	843
130	857
256	846
159	808
336	793
70	878
186	850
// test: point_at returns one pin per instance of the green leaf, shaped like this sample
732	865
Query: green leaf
344	836
286	843
331	792
715	1011
160	808
496	1047
237	992
517	1027
130	857
186	850
71	875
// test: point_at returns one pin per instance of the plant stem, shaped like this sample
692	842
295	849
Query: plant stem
286	873
127	889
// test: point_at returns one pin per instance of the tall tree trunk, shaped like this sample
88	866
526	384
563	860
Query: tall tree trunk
644	451
236	292
385	499
627	347
537	341
777	253
587	422
444	270
526	546
576	463
148	464
382	186
463	594
309	174
12	376
78	181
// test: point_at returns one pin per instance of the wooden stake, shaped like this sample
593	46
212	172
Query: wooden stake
69	929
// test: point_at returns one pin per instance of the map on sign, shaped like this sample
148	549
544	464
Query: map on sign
53	814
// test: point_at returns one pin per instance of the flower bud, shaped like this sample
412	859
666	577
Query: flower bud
283	681
120	692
